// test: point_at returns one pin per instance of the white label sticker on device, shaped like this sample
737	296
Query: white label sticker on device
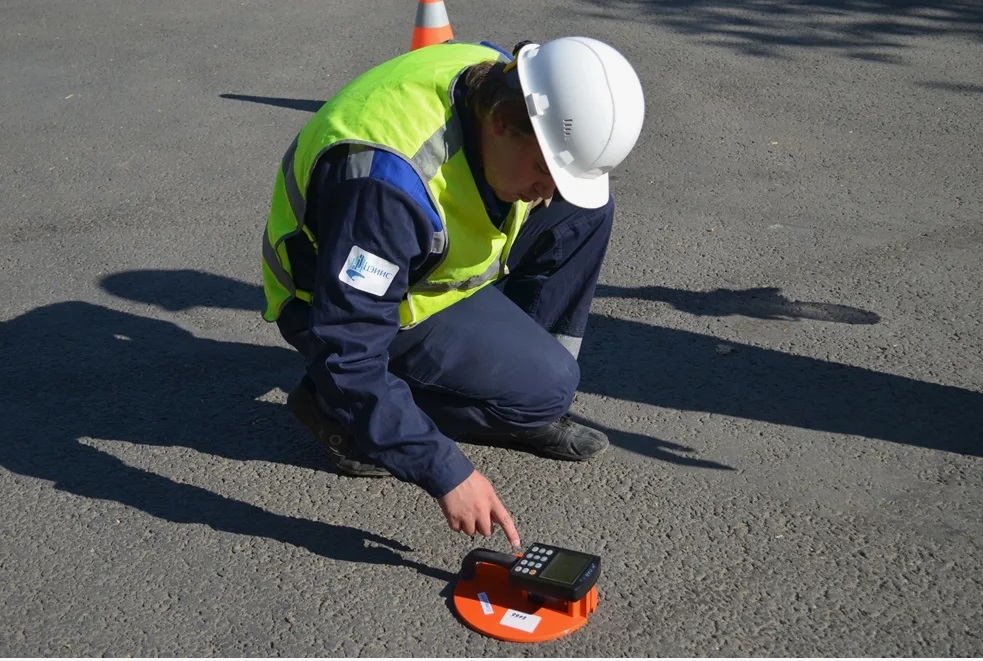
486	606
521	621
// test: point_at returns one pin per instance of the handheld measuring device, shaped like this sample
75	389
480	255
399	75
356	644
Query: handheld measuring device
555	573
543	593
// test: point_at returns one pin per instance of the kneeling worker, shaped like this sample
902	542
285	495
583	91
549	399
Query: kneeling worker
401	258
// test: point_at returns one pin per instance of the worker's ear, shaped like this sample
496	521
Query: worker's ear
498	125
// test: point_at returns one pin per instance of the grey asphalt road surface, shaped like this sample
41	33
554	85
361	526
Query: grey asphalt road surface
785	347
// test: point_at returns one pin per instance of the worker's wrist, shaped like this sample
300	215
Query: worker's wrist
448	476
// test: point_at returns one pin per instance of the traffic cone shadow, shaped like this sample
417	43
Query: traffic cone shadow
432	25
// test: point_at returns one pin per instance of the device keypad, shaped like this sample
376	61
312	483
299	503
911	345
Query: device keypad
534	560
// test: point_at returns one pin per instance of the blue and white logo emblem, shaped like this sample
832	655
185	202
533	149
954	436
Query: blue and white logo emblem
355	267
367	272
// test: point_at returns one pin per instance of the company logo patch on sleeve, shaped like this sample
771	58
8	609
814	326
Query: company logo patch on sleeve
367	272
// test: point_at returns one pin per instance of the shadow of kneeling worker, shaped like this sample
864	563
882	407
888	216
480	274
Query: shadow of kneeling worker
76	370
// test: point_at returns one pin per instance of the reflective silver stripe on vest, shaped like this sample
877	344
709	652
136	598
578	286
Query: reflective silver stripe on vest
297	202
297	206
490	273
438	149
359	162
273	263
438	243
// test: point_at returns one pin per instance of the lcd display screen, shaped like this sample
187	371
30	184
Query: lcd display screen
565	568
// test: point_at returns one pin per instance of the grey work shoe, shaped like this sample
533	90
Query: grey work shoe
563	439
302	404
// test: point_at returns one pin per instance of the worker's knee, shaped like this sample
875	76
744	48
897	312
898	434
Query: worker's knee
555	377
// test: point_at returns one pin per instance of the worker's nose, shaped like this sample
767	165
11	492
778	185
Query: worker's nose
545	188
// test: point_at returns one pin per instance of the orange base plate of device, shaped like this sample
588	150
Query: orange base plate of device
489	605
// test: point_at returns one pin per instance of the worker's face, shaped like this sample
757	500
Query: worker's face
514	165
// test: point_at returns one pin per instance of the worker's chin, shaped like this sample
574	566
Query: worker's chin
511	198
507	196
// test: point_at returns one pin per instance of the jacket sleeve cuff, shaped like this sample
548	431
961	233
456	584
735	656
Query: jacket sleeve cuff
448	474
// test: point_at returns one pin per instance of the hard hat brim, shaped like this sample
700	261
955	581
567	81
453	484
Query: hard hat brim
580	191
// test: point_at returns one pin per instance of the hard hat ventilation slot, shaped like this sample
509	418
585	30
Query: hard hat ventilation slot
567	128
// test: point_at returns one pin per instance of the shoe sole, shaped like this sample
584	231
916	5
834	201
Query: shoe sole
306	415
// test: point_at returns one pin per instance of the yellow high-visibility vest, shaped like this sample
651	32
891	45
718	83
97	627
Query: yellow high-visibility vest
406	107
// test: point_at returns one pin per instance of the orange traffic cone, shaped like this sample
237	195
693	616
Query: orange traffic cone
432	25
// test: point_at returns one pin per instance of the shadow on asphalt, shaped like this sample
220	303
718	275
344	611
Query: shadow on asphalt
649	446
681	370
673	369
84	371
760	303
306	105
867	30
958	88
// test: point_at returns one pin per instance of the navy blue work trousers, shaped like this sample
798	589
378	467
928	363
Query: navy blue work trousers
503	359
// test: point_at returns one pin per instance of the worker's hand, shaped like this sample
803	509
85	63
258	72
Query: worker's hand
473	507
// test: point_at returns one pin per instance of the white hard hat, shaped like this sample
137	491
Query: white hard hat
586	106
